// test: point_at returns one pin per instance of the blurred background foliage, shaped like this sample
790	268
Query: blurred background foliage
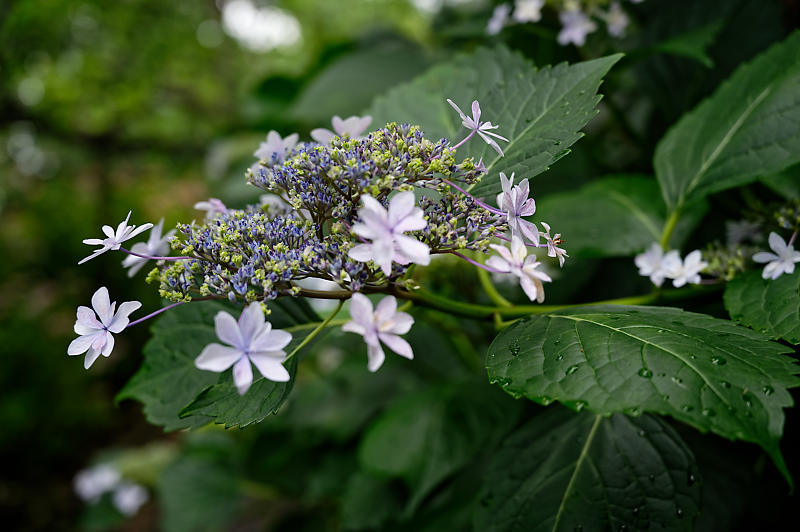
151	106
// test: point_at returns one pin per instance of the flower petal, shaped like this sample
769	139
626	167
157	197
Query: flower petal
80	344
776	243
361	253
400	323
322	135
458	110
227	329
102	305
91	356
765	256
361	309
400	206
375	356
120	319
397	344
217	358
269	365
270	340
497	263
109	345
416	251
251	323
385	310
243	375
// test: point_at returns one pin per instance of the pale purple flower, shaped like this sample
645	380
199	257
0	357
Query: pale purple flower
499	19
616	20
385	229
523	266
741	231
353	126
251	339
114	239
90	484
685	271
780	262
384	324
514	201
528	10
651	263
95	325
552	245
156	246
475	124
128	497
213	207
575	26
275	146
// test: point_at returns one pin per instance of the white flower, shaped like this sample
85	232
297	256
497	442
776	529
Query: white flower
686	271
114	239
275	148
382	325
741	231
780	262
90	484
651	263
252	340
552	245
353	126
212	207
517	262
95	336
499	19
475	124
528	10
616	20
128	497
575	27
156	246
385	230
515	202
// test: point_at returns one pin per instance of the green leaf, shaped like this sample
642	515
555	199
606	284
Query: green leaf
568	472
631	205
772	307
707	372
368	502
749	127
693	43
539	111
785	183
427	436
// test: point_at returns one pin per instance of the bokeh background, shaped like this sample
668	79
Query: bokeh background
148	105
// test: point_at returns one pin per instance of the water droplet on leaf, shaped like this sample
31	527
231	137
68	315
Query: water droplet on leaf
646	373
572	369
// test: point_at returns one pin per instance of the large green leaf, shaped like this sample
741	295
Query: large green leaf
613	216
707	372
539	111
749	127
429	435
565	471
772	307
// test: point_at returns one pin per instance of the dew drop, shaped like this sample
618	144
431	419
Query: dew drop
559	357
572	369
718	361
661	331
635	511
662	374
635	411
768	390
692	479
725	384
677	381
748	401
693	357
544	400
641	433
665	397
687	408
651	477
513	348
556	341
645	373
679	511
708	412
580	405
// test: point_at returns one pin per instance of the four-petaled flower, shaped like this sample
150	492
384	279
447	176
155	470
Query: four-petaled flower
552	245
475	124
686	271
275	148
525	267
575	27
780	262
384	324
94	327
514	201
155	246
251	339
213	207
114	239
616	20
498	20
353	126
528	10
385	230
651	263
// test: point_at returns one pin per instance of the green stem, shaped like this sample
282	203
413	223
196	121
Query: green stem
669	227
491	290
316	331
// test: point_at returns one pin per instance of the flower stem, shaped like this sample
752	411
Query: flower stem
471	133
156	313
129	252
491	290
316	331
474	262
476	200
792	238
669	227
501	237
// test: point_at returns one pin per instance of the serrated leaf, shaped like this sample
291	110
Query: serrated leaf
427	436
631	205
772	307
693	43
563	471
710	373
540	111
749	127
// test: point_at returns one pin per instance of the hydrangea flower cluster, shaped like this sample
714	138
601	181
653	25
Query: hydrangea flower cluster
92	483
354	210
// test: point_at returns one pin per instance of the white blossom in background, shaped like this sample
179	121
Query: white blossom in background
475	124
128	497
651	263
95	325
250	339
575	26
499	19
781	261
213	207
741	231
276	147
616	20
528	10
684	271
90	484
552	245
156	246
523	266
515	202
383	324
114	239
353	126
385	228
